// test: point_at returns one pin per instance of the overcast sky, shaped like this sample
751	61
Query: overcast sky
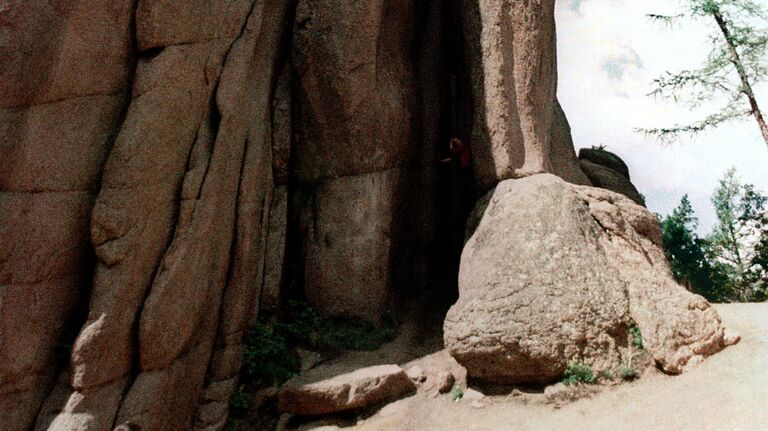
608	53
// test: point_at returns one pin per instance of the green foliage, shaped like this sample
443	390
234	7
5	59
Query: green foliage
578	372
736	242
637	337
628	372
267	359
302	326
731	263
270	356
239	404
738	45
686	251
457	393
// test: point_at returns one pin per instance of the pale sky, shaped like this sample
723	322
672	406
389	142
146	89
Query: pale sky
608	54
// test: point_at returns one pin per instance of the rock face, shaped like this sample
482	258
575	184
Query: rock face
64	79
557	273
357	97
172	126
173	170
362	388
511	49
606	170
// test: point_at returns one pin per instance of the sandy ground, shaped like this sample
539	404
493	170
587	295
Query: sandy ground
727	392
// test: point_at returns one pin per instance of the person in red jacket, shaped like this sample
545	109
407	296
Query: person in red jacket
458	185
460	154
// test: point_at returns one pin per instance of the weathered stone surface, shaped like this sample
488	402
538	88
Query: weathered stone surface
63	77
347	243
609	179
356	85
605	158
63	49
556	273
200	130
91	409
563	394
511	48
678	328
162	23
564	162
179	223
136	209
358	389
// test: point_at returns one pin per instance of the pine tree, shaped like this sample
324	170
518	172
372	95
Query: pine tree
734	66
736	240
686	251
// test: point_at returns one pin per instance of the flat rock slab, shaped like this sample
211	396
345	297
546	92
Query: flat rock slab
351	391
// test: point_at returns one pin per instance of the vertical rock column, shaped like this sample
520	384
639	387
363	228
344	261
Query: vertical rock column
519	128
178	223
356	111
65	70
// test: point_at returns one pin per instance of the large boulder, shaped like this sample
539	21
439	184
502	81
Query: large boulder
557	273
608	171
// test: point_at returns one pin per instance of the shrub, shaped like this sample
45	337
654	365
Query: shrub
268	359
270	356
578	372
303	326
628	373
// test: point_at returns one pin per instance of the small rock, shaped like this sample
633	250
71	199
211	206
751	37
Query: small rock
516	393
561	393
360	388
417	374
731	337
472	395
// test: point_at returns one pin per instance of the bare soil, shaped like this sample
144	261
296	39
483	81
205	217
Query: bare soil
728	392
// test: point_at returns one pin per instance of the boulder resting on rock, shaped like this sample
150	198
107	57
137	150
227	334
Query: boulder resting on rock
557	273
608	171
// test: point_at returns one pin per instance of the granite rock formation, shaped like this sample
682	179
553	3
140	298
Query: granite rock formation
172	171
557	273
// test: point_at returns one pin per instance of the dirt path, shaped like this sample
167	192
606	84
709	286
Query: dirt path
728	392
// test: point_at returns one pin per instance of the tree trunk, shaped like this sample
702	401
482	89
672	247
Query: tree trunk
736	60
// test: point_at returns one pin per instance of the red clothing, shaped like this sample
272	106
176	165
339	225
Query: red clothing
460	152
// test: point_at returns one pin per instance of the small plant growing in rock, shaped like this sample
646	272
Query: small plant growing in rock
628	372
268	359
457	393
578	372
637	337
